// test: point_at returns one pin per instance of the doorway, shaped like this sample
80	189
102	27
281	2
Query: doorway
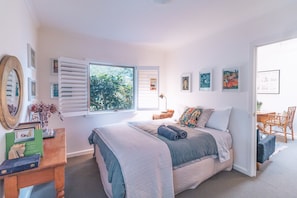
276	69
276	64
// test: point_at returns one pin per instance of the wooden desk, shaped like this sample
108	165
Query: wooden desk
262	117
51	168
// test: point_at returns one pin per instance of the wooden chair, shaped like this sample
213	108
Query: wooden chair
282	122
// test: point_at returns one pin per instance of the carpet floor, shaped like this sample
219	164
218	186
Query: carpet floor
275	179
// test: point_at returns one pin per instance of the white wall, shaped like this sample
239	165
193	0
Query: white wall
54	43
17	29
229	48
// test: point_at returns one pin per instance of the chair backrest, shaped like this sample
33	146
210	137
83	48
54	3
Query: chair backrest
291	114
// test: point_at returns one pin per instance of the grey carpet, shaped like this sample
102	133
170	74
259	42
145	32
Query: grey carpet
275	179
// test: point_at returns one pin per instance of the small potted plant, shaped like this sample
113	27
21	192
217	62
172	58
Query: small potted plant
259	104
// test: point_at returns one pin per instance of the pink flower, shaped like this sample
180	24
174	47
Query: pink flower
45	109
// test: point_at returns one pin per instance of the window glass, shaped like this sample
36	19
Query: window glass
111	87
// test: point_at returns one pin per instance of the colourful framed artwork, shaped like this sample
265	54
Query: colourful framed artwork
231	79
186	82
268	82
54	66
205	80
54	90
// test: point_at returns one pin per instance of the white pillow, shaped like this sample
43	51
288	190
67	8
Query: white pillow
219	119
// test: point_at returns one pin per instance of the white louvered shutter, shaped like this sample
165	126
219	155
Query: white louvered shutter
73	87
148	87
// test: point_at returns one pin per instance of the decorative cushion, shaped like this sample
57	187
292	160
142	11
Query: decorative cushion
204	117
190	116
219	119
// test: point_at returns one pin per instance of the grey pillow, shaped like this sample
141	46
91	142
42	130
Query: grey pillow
206	113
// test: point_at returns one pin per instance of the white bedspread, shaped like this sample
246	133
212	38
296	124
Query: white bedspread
146	163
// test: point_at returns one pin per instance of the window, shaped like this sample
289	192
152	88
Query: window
92	87
111	87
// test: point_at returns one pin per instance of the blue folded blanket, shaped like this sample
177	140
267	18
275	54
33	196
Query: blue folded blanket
167	132
181	133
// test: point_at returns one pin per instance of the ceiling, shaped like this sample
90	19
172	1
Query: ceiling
165	25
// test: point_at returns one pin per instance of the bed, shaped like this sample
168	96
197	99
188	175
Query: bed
135	161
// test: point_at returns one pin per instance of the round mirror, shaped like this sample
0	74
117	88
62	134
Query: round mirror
11	89
12	93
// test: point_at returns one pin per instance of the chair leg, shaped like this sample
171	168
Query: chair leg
258	165
292	132
285	133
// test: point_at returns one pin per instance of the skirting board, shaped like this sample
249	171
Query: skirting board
79	153
241	170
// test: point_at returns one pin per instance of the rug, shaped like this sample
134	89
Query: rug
279	146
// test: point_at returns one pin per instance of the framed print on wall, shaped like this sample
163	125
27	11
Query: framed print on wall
186	82
31	56
54	66
230	81
31	89
205	80
268	82
54	90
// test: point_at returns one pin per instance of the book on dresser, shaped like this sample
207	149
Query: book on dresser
31	138
19	164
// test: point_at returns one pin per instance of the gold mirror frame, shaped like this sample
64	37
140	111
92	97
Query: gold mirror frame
8	64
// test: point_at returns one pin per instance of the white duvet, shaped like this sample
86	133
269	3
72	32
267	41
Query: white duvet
144	159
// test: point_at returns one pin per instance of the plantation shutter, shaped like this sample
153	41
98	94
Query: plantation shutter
148	88
73	87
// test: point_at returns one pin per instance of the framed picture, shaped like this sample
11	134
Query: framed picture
153	84
268	82
28	125
54	67
231	78
186	82
22	135
54	90
31	89
205	80
31	56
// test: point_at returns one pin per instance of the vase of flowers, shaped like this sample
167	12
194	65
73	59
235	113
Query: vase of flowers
44	112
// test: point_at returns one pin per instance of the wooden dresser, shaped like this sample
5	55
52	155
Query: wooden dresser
51	168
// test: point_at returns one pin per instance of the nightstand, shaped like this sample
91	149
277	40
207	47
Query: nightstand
163	115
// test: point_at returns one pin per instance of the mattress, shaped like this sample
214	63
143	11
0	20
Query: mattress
183	177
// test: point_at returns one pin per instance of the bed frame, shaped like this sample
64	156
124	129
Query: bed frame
183	177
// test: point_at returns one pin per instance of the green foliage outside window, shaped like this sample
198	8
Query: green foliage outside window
111	88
